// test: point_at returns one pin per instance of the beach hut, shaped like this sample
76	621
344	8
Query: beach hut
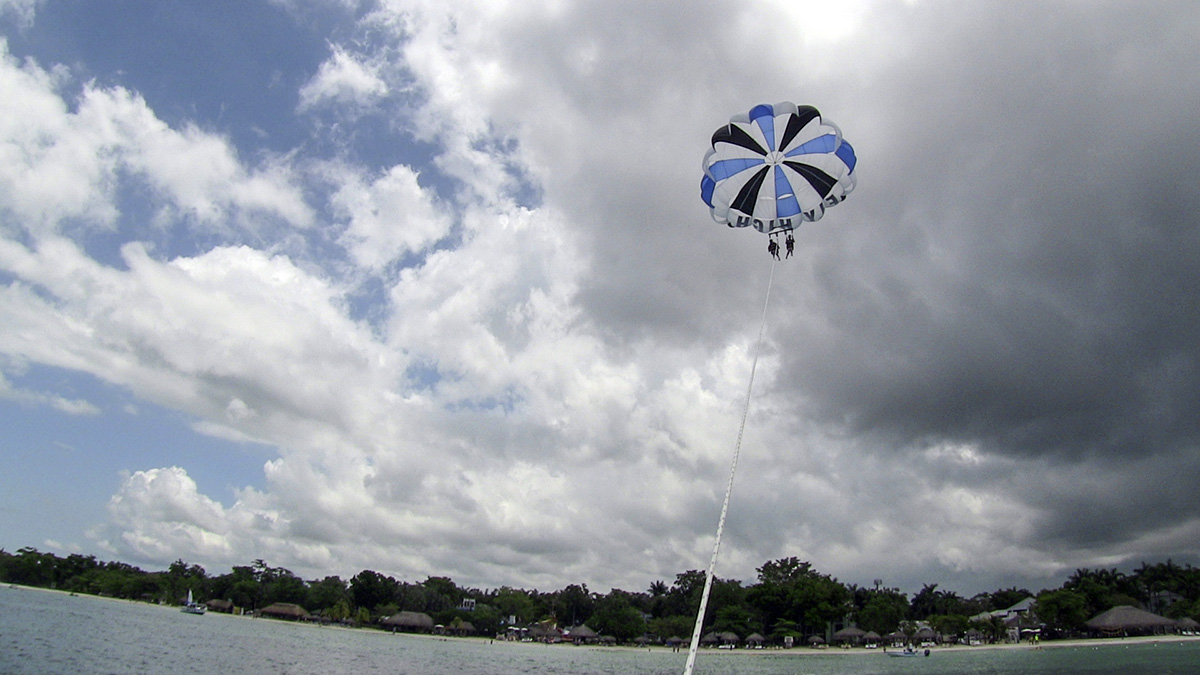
220	606
816	641
546	632
925	634
849	635
284	610
417	622
581	634
755	641
709	639
456	627
1129	620
897	638
728	639
871	639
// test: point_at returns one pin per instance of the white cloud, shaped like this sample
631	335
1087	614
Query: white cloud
159	512
342	80
192	333
23	10
26	397
60	164
388	217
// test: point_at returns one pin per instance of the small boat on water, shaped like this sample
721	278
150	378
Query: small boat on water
192	607
908	651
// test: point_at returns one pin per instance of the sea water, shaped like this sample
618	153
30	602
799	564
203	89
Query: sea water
50	632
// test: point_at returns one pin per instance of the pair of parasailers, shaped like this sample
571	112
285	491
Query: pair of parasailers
773	245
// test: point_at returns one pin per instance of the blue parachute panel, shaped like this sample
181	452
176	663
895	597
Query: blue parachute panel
846	154
786	205
707	185
820	145
730	167
762	110
767	124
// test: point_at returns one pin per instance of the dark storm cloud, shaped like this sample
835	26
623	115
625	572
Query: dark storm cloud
1024	268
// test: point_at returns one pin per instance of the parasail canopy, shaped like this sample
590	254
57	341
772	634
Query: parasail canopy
776	167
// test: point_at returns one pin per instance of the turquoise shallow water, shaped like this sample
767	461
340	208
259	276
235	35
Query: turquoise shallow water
44	632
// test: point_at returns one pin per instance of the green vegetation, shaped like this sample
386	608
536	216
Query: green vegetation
790	598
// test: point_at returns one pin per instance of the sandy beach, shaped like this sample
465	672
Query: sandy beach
801	652
1085	643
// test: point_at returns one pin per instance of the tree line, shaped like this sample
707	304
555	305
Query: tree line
790	598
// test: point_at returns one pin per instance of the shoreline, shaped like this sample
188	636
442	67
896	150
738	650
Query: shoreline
807	652
801	652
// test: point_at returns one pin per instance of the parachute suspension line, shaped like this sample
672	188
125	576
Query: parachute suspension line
737	451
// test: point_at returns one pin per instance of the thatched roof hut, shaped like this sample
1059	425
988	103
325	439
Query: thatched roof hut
1126	619
419	622
755	639
852	634
1188	624
220	606
284	610
871	636
581	634
729	638
456	627
546	631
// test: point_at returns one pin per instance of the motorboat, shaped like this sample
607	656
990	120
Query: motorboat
908	651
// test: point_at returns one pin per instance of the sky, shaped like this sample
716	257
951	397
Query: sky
426	287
